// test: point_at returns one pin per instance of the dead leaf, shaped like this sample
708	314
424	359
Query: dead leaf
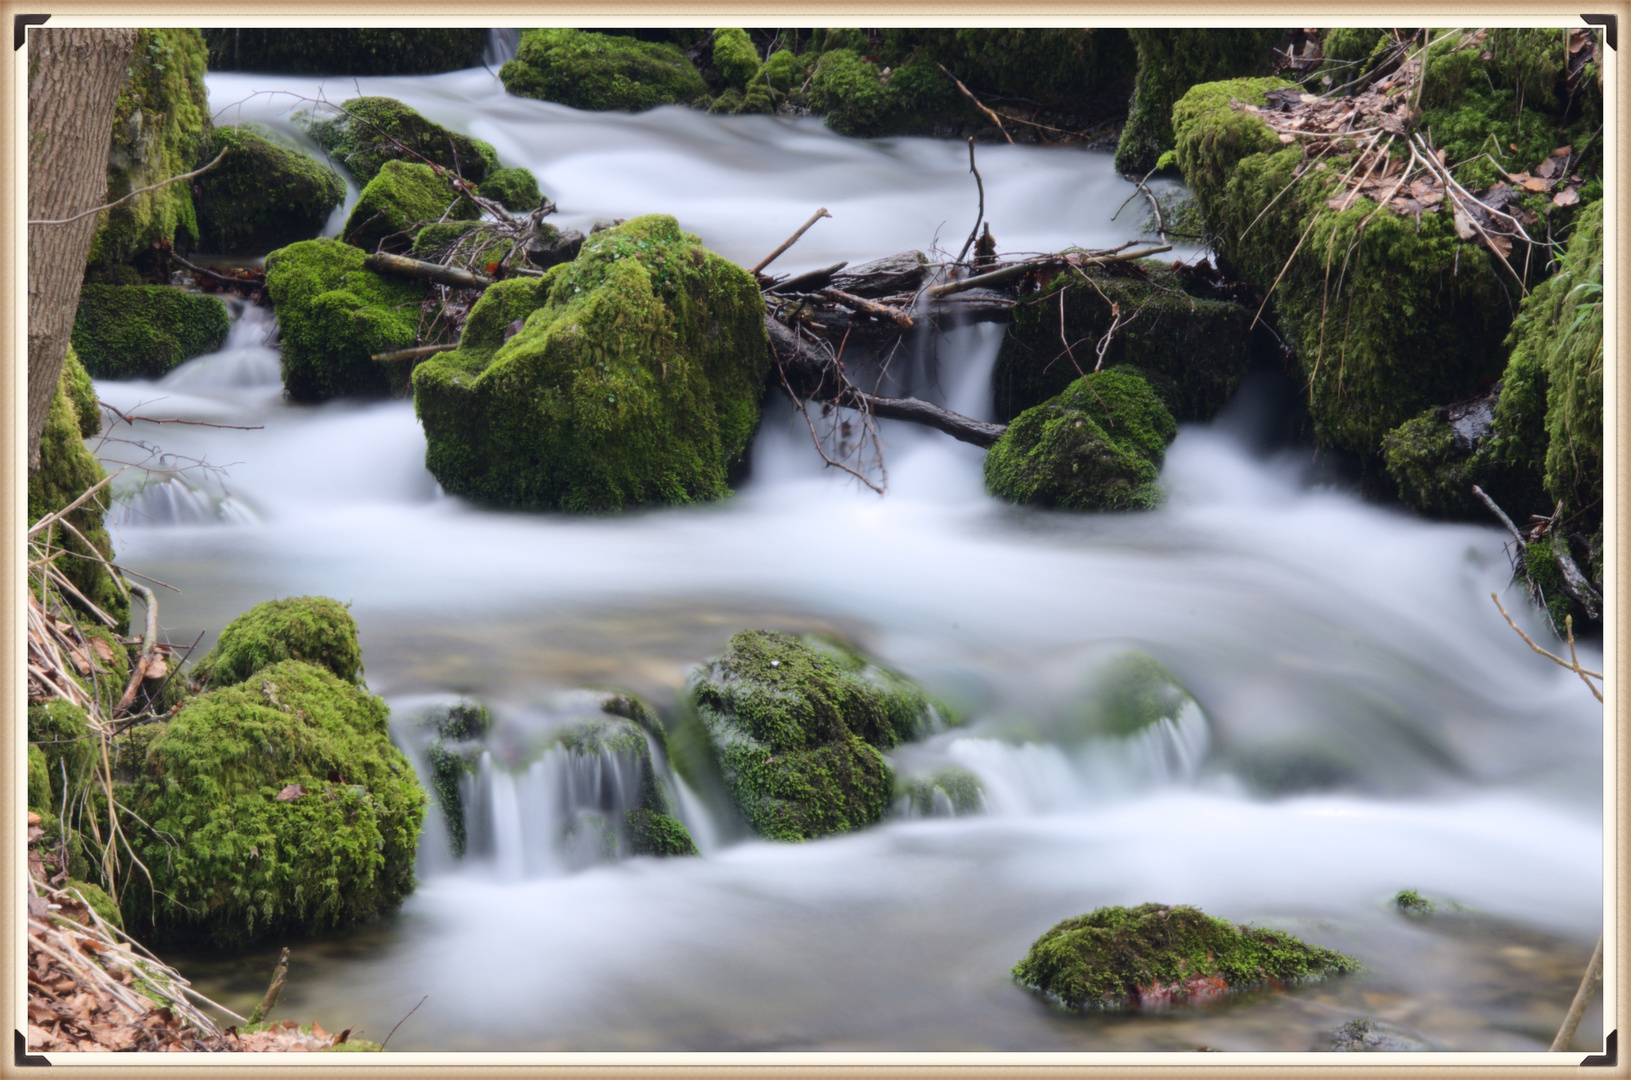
1567	197
1500	245
156	667
1463	224
33	818
1512	145
1563	151
103	650
1535	183
1287	138
291	793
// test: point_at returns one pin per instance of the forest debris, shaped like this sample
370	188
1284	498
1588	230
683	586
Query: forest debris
790	241
383	263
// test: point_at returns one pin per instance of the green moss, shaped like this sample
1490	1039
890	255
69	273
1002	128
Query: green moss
345	51
796	736
142	331
1348	45
67	470
735	56
636	378
601	71
1411	902
231	861
262	195
76	383
859	101
160	124
516	189
315	629
658	834
39	781
368	133
97	899
1170	61
402	197
333	316
1564	327
1082	73
1191	351
353	1046
1096	446
650	827
781	75
956	789
1132	692
1114	957
60	732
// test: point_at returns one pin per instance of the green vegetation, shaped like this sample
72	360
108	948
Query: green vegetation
142	331
781	75
401	198
315	629
1411	902
373	130
1084	74
1132	692
277	806
959	789
333	316
1116	957
601	71
735	56
635	379
516	189
796	731
1096	446
1191	351
262	195
347	51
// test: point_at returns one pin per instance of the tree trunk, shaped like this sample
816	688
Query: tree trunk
74	79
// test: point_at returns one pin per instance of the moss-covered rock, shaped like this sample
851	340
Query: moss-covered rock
75	382
366	134
334	315
60	733
781	75
368	50
160	124
734	56
1170	61
797	733
949	792
262	195
67	470
142	331
399	200
1192	351
276	806
516	189
39	781
1132	692
1117	957
97	899
649	827
601	72
634	378
314	629
1096	446
859	100
1561	323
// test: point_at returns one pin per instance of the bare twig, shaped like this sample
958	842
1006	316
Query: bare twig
132	195
978	104
1577	1007
1575	666
399	1023
131	418
279	975
791	240
980	214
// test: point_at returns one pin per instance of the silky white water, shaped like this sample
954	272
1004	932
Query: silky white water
1365	721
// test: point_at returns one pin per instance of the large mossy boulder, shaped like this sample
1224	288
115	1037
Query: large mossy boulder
314	629
372	50
1191	350
1153	954
1170	61
515	189
857	99
601	72
1098	445
262	195
334	316
143	331
797	732
369	131
160	126
734	56
275	806
631	375
401	198
67	470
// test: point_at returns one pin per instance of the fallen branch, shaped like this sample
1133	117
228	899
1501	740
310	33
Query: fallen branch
1573	665
1015	270
417	353
384	263
133	194
1577	1007
138	670
980	214
882	311
131	418
791	240
810	278
978	104
279	976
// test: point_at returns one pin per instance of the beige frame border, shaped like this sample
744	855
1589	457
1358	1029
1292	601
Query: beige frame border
13	259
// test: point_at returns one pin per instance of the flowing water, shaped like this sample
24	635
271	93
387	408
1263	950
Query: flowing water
1364	720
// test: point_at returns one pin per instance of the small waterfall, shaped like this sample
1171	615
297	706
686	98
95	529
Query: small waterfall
248	357
165	497
501	46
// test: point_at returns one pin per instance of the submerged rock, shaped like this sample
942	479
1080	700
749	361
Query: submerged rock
345	51
143	331
601	72
634	378
1155	954
315	629
1097	446
1132	692
374	130
949	792
334	315
1366	1034
262	195
401	198
797	733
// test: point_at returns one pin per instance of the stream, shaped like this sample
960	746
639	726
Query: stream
1366	721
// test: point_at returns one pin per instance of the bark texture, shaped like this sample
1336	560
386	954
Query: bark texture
74	78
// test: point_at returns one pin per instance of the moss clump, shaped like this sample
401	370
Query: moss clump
1097	446
97	900
781	75
142	331
366	135
350	51
315	629
1191	351
796	736
449	757
39	781
1561	324
516	189
76	383
1411	902
60	733
650	827
402	197
601	72
160	123
277	806
735	57
262	195
334	315
948	792
1132	692
636	378
1169	63
859	100
67	470
1116	957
